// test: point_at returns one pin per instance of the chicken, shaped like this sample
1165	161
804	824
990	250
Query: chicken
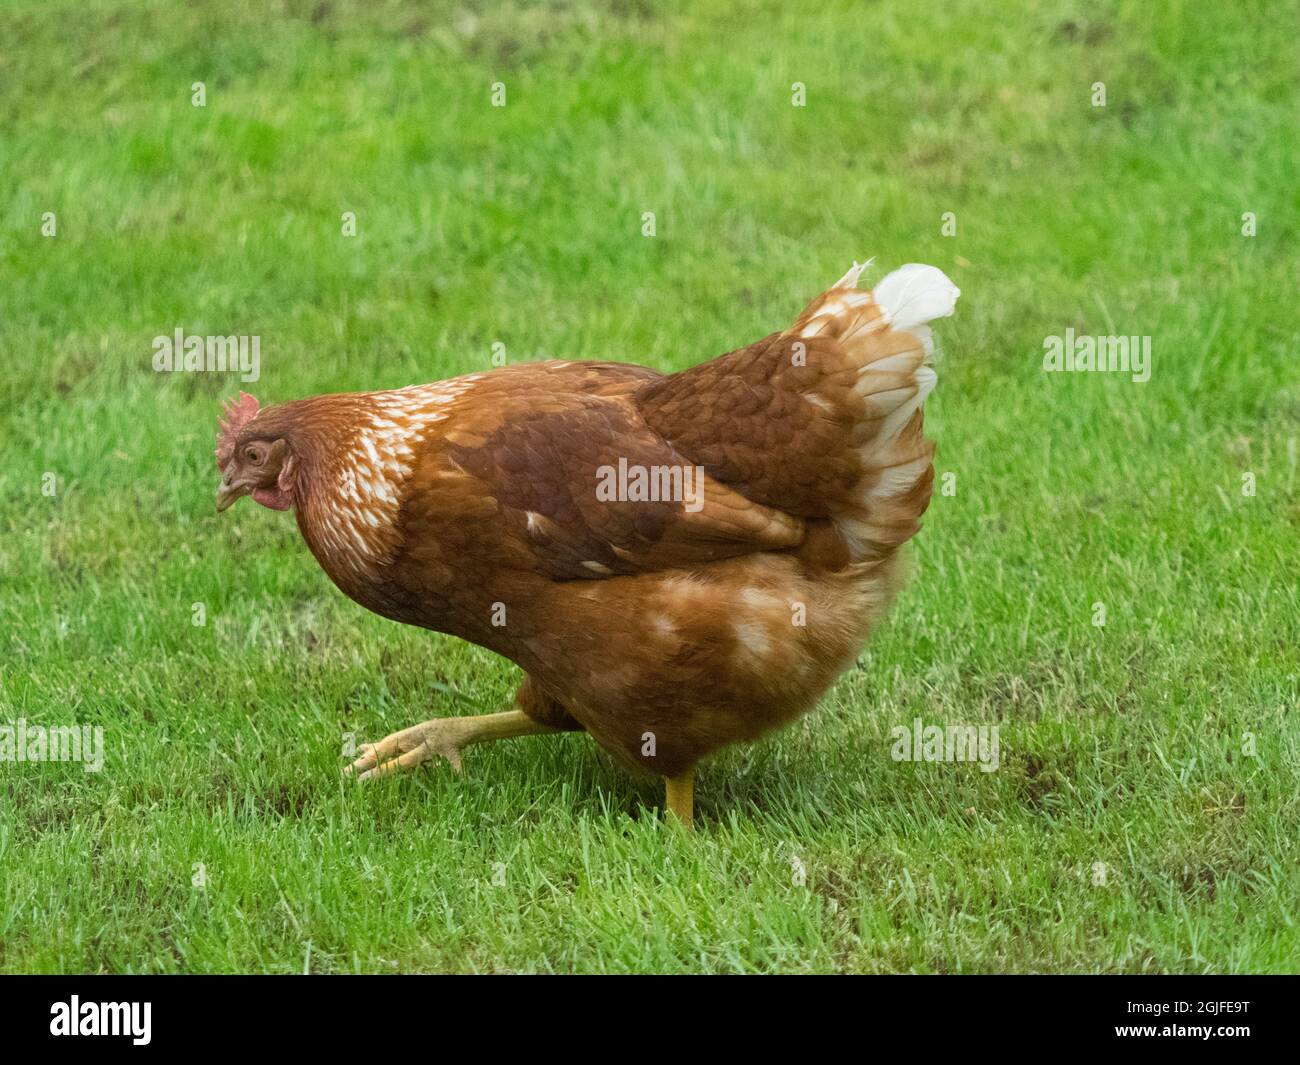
676	562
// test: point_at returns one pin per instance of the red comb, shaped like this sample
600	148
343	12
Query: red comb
237	413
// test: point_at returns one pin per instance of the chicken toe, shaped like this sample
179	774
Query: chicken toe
440	737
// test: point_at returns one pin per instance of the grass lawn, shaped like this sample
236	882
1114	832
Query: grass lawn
1145	814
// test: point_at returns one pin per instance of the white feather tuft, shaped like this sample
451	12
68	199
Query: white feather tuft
850	280
915	294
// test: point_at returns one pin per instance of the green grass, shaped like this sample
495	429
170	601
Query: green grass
1121	744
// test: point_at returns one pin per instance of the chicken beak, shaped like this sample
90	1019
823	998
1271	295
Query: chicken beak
227	493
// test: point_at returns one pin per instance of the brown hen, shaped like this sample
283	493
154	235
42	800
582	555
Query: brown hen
677	562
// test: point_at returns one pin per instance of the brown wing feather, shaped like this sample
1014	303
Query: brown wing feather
533	457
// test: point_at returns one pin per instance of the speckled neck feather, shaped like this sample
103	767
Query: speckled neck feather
354	452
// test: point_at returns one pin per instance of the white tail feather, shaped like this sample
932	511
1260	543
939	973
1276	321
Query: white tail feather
915	294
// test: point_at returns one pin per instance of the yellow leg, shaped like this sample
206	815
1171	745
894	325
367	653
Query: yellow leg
680	793
443	737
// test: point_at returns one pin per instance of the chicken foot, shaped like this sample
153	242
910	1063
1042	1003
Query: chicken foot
446	737
441	737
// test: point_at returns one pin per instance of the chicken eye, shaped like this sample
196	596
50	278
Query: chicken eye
254	456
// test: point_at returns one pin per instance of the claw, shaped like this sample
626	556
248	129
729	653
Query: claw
443	737
407	749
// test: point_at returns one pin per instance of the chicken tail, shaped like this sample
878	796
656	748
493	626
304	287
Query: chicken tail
824	419
886	339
